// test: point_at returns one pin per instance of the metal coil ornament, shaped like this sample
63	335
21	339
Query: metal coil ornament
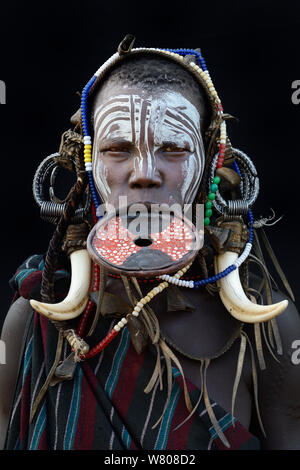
51	210
249	188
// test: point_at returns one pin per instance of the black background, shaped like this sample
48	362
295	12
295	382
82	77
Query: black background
51	49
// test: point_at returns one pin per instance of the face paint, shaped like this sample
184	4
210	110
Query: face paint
149	125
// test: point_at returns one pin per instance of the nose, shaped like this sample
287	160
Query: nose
145	179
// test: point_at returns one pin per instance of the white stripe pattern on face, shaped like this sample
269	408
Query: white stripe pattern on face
135	119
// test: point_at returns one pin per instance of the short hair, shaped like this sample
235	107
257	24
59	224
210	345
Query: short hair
153	72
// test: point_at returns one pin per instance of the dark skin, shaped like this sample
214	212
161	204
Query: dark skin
212	326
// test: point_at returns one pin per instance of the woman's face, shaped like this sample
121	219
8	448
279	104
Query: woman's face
147	146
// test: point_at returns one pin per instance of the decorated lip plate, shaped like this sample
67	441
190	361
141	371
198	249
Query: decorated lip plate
144	244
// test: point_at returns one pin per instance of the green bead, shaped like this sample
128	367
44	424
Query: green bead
208	205
208	213
217	179
214	188
211	196
206	221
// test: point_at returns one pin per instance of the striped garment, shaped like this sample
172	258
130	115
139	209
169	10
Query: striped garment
104	407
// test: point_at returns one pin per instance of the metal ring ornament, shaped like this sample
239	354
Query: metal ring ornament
249	187
51	211
39	178
53	176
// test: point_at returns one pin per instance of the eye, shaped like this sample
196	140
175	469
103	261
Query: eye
115	151
174	149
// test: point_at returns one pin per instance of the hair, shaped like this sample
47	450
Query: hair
153	73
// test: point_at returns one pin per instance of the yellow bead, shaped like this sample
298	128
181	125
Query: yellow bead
147	298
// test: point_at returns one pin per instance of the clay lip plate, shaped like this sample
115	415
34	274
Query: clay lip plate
174	244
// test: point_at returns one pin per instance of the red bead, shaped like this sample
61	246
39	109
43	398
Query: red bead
100	346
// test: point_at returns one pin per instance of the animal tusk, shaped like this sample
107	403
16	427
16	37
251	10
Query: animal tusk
73	305
234	298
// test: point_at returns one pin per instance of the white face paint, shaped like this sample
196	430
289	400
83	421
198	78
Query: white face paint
166	120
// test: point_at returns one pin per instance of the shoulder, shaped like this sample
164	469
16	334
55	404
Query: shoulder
12	338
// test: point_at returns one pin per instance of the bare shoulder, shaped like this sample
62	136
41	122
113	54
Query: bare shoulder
12	337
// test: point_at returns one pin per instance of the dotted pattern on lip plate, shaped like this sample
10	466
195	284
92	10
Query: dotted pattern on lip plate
114	243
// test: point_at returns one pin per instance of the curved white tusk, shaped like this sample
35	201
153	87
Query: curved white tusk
73	305
234	298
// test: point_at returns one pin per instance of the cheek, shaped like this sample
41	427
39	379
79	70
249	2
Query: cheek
191	176
100	173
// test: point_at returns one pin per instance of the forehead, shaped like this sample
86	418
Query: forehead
158	107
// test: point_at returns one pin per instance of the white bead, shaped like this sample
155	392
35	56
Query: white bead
120	324
139	304
137	309
124	321
117	328
135	314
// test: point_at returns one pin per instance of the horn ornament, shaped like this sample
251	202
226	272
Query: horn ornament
234	298
73	305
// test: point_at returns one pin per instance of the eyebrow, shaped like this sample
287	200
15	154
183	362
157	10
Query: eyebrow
117	142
